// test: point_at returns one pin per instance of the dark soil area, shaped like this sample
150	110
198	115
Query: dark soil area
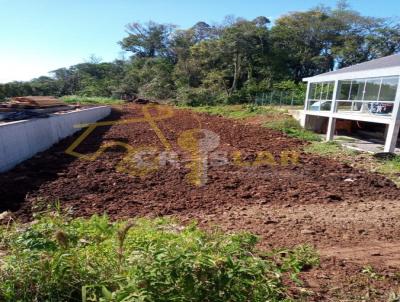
95	186
311	201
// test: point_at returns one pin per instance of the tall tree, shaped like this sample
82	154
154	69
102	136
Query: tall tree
149	40
303	41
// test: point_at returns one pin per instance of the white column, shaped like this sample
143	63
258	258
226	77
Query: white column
393	129
330	133
391	137
304	116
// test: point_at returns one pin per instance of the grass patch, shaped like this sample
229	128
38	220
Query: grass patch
279	120
238	111
328	148
73	99
390	166
293	129
61	259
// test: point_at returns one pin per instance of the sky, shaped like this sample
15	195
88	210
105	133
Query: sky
37	36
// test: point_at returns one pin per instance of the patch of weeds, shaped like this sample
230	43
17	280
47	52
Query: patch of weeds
293	129
61	259
369	271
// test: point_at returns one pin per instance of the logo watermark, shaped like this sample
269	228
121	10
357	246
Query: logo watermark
199	145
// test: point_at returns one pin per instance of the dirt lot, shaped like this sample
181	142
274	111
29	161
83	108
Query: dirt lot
351	216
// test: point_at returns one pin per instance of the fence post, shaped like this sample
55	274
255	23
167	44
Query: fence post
291	103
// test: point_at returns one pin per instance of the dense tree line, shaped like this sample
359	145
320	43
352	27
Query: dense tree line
228	62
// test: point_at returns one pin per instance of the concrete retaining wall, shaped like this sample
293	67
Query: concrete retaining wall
297	114
21	140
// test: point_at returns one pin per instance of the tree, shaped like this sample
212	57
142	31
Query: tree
149	40
228	62
363	38
303	41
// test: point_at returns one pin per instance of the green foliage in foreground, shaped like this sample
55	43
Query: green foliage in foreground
73	99
56	259
238	111
293	129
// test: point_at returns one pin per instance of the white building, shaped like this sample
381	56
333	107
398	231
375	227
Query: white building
366	92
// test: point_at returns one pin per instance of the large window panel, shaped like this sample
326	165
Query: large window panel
372	89
320	96
388	89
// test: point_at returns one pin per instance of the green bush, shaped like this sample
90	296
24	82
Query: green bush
57	259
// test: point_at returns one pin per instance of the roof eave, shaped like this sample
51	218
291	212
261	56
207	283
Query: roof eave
372	73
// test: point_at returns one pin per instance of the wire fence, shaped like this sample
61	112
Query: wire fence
279	98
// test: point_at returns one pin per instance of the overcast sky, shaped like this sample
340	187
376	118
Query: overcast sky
37	36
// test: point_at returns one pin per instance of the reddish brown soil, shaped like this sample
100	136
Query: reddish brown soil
348	214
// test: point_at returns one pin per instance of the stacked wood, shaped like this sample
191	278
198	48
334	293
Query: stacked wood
33	102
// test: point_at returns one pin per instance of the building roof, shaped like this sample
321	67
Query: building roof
389	62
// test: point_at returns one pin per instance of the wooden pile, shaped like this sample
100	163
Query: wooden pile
33	102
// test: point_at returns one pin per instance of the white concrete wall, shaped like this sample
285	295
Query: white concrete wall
297	114
21	140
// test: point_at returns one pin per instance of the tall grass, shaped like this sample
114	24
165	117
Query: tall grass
59	259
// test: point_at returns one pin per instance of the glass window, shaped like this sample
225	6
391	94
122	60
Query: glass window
318	91
357	106
314	105
311	94
380	108
325	105
357	89
388	89
344	90
330	90
325	89
344	106
372	89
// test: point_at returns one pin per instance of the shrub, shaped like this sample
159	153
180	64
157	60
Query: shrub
56	259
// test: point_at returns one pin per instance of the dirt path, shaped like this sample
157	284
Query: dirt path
348	214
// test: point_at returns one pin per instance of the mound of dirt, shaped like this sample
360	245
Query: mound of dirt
96	186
